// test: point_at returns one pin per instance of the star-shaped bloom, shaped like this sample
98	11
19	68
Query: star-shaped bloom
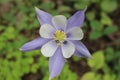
59	39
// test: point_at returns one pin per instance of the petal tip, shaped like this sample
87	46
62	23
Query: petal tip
36	9
49	78
85	9
91	57
20	49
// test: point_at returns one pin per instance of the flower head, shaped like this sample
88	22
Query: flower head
59	39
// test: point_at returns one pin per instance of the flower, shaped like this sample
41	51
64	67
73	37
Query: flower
59	39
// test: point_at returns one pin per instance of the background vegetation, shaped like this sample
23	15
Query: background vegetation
19	24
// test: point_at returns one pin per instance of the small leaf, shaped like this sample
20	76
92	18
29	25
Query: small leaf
95	35
96	25
63	8
47	5
88	76
9	33
76	59
109	77
109	54
90	15
108	6
2	27
80	6
110	29
105	19
98	60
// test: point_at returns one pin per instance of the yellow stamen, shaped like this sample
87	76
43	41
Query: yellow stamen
59	36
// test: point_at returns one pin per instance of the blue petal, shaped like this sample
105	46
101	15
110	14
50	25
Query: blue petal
43	17
76	20
56	63
81	50
33	45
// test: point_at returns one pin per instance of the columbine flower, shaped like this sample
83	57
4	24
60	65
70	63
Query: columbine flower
59	39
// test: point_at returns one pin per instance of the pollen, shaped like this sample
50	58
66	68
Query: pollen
59	36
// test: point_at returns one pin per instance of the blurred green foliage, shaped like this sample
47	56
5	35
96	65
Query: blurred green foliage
19	24
99	67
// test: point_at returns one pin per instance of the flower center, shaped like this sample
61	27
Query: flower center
59	36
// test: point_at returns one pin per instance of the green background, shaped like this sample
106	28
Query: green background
19	24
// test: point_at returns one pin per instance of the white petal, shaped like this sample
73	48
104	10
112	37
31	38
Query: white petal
59	22
68	49
47	31
49	48
75	34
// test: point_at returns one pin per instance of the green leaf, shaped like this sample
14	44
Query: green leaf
47	5
90	15
109	77
110	29
67	74
63	8
76	59
95	1
80	6
108	6
9	33
96	25
106	68
98	60
95	35
109	52
105	19
34	68
4	1
88	76
2	27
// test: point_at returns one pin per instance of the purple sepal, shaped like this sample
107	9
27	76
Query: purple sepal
34	44
43	17
76	20
56	63
81	50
